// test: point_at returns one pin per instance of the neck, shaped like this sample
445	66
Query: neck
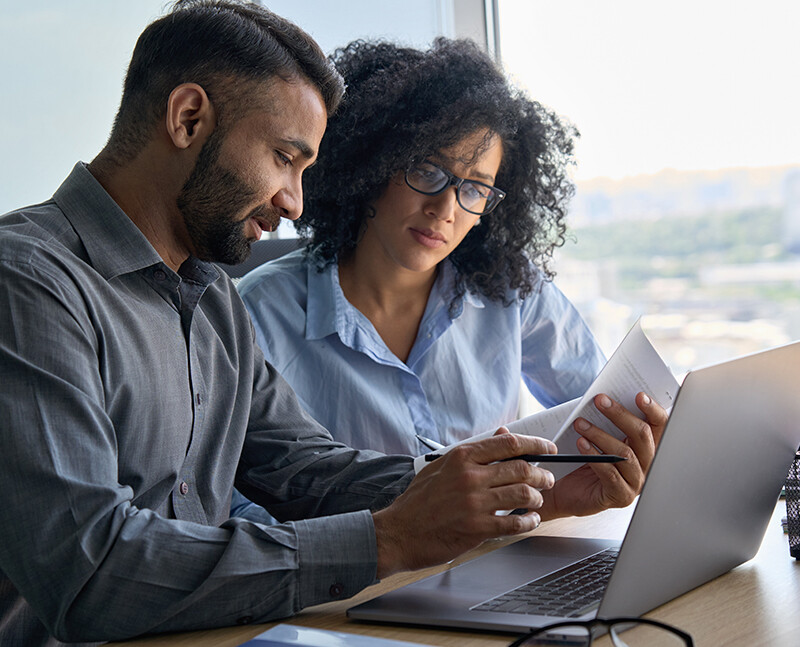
146	192
392	298
383	286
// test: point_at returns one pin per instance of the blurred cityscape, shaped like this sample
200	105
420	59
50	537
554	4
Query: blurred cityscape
709	260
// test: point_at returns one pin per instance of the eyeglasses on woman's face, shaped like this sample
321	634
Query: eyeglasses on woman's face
473	196
623	632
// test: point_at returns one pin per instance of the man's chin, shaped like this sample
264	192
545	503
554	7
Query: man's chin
232	254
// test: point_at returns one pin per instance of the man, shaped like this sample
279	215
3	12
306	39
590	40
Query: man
134	396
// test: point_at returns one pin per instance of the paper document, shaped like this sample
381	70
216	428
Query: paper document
283	634
635	366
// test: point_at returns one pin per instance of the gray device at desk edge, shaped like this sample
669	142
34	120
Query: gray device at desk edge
704	509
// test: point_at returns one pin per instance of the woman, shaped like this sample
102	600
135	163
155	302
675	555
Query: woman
424	293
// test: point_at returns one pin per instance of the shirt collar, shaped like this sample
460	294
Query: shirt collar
325	300
114	244
328	310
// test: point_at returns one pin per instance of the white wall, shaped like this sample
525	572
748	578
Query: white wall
62	66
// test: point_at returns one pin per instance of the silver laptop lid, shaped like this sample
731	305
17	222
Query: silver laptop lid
704	508
717	475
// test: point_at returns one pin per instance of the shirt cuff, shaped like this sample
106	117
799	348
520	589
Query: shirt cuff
338	556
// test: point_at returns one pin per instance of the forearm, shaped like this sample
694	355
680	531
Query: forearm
163	575
292	466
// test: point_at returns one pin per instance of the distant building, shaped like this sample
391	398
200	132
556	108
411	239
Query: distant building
683	193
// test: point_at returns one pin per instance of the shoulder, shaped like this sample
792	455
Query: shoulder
541	291
41	239
287	273
33	227
276	293
546	302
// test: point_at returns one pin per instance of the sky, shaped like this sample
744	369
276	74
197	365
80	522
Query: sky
684	84
704	84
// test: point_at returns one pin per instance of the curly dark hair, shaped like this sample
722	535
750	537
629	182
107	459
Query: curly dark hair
404	104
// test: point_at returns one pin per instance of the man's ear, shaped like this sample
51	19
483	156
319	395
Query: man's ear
190	115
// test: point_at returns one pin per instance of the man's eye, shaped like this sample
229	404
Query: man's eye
285	160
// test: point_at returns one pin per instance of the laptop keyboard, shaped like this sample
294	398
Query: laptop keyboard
568	593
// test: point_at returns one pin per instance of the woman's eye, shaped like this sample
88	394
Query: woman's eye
429	174
474	191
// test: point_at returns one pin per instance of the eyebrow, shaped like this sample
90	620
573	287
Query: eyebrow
302	146
441	159
485	176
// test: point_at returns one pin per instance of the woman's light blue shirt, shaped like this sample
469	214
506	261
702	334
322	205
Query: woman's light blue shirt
463	373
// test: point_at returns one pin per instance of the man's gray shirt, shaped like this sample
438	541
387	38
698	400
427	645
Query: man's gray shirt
132	398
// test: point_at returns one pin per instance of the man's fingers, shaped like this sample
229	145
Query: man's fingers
519	471
516	524
473	476
504	445
518	495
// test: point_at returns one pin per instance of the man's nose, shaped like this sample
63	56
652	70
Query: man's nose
289	202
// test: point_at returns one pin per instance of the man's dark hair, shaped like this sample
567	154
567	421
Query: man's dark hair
403	105
227	47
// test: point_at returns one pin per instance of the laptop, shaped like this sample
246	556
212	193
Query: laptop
704	509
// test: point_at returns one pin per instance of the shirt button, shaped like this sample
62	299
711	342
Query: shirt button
184	488
199	399
336	590
244	620
159	275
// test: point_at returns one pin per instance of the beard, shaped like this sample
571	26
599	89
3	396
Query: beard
211	202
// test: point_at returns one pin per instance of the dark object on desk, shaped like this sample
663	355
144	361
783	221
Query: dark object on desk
638	632
792	488
553	458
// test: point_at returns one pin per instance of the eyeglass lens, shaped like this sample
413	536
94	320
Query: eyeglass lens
620	635
472	196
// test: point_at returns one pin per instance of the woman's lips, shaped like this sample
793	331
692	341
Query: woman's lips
428	237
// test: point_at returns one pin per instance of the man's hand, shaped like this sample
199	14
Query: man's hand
596	486
450	506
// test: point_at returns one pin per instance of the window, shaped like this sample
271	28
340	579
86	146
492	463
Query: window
62	66
687	210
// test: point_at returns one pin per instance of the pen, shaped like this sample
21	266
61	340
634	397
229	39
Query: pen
430	444
552	458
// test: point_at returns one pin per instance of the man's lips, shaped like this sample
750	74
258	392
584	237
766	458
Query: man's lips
264	223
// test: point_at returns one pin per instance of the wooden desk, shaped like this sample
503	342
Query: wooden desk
755	604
